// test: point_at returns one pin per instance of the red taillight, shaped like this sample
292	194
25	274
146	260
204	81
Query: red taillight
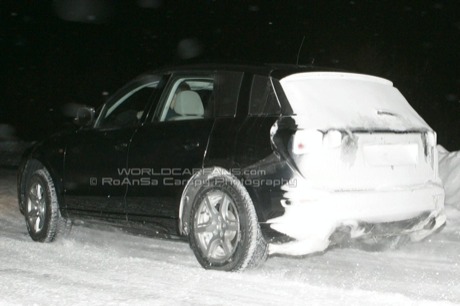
308	141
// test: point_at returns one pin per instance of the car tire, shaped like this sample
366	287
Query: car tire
224	230
43	217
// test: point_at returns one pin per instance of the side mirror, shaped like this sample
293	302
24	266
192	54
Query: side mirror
85	116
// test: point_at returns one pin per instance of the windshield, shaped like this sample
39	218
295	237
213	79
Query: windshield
331	100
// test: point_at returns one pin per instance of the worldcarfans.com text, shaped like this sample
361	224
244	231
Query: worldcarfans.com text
170	177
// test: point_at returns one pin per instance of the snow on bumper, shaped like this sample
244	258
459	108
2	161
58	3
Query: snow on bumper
311	217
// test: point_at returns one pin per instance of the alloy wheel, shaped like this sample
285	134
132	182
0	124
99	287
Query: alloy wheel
36	207
217	226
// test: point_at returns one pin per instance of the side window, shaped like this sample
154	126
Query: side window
263	100
188	98
129	109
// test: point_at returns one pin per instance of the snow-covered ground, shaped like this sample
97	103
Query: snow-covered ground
107	266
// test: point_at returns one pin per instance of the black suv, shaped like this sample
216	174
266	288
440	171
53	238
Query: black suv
242	161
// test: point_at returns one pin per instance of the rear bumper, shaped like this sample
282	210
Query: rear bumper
312	218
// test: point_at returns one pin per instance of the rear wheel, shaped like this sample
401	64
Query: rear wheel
224	233
43	218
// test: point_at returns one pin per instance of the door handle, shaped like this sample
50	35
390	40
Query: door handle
191	145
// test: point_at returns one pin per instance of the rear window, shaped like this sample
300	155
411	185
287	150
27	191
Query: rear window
263	99
330	100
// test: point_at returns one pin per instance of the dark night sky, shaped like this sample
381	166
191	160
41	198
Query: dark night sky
71	51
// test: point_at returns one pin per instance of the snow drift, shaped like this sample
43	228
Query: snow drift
449	172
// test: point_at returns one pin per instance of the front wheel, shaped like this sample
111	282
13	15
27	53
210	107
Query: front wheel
224	231
43	218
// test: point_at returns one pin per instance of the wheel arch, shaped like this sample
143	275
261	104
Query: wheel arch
28	167
190	191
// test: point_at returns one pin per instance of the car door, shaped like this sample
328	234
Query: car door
166	152
96	157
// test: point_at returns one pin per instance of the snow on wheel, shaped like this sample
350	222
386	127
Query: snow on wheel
224	233
43	218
